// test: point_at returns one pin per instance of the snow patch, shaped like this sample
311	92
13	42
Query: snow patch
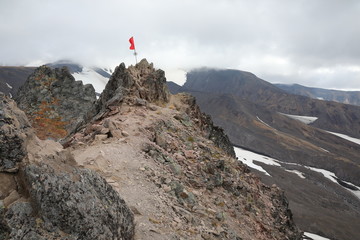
248	158
314	236
303	119
351	139
89	76
8	85
329	175
300	174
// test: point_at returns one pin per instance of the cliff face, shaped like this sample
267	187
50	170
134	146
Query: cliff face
174	169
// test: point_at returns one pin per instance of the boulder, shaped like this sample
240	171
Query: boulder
79	202
55	103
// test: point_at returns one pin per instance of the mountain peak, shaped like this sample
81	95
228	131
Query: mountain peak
171	166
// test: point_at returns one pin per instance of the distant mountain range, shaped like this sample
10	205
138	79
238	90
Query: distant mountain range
259	116
11	78
348	97
319	170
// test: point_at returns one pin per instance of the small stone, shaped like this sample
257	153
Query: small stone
220	216
179	157
176	168
152	107
135	210
104	130
125	134
190	154
100	137
13	196
142	169
184	195
177	219
140	102
166	188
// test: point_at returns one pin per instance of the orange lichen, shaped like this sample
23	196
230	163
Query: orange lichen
47	123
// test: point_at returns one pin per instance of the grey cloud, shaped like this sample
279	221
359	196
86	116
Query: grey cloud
270	37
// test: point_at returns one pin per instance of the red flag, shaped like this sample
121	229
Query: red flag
132	46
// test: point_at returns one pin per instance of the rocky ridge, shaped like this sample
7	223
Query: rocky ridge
175	170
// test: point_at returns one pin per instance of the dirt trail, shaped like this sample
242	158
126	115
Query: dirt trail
126	167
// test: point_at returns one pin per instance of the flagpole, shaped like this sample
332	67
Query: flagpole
135	54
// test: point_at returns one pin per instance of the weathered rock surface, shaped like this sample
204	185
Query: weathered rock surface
215	133
13	128
54	102
78	202
46	196
141	81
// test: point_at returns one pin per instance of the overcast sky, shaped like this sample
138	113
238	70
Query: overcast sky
310	42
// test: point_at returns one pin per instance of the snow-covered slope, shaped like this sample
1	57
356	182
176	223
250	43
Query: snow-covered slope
248	158
91	76
98	77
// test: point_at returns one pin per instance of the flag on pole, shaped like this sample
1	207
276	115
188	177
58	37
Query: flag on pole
132	47
132	44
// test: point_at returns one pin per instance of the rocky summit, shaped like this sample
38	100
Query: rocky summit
145	165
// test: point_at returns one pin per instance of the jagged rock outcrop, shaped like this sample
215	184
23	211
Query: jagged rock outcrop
13	129
54	102
204	121
43	195
134	85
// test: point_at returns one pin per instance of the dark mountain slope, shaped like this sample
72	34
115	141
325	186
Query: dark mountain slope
332	116
12	78
173	87
261	130
347	97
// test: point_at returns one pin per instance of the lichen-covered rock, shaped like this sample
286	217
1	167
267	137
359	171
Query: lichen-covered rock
54	102
13	128
79	202
67	201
